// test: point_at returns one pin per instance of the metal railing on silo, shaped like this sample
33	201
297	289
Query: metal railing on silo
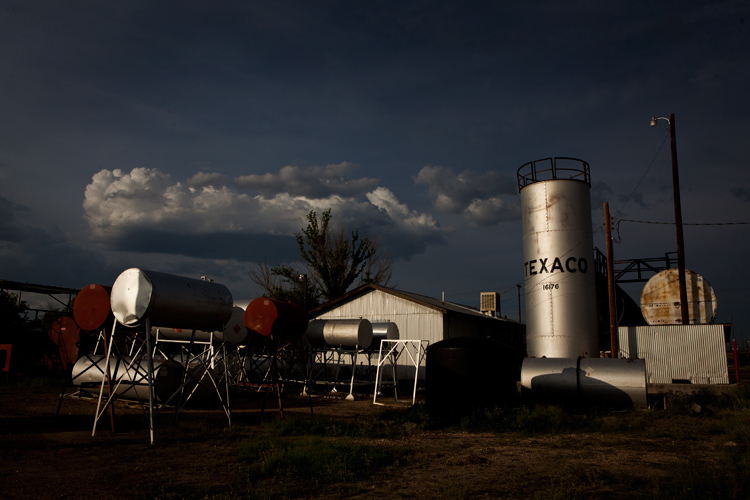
560	167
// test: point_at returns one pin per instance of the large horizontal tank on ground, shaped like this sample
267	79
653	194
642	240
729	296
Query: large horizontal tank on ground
166	299
558	253
340	332
660	299
608	382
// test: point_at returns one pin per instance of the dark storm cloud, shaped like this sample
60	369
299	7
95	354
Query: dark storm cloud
147	94
484	199
214	246
741	193
10	230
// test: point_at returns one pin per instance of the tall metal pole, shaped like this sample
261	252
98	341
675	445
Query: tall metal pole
610	283
518	285
678	223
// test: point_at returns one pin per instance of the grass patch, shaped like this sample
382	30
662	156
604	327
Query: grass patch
287	467
388	425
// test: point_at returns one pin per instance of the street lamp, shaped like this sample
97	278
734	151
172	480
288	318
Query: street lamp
677	217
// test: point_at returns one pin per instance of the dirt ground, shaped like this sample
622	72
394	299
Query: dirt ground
47	456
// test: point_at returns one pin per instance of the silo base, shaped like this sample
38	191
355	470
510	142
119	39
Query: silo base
619	383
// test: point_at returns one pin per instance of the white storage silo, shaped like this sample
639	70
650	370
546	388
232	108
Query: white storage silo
558	250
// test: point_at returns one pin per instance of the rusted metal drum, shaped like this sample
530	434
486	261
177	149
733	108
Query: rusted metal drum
558	250
65	336
129	379
279	320
619	383
91	308
340	332
166	299
660	299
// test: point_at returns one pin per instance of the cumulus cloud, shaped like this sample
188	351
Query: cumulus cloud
483	199
491	211
203	179
311	181
147	210
411	231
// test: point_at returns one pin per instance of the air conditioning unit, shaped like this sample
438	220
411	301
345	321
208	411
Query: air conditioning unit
489	302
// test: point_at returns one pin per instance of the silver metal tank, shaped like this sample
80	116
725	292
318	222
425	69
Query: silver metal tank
166	299
558	251
340	332
234	331
600	381
130	379
383	330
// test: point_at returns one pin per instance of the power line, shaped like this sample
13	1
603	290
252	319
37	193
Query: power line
686	223
642	178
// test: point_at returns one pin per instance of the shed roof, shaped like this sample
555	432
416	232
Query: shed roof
430	302
34	288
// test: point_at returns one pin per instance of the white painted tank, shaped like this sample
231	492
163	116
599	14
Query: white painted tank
340	332
166	299
558	252
660	299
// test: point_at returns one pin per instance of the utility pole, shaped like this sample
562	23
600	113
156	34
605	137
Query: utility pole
677	217
518	285
678	222
610	282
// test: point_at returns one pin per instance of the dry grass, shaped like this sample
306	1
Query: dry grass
700	448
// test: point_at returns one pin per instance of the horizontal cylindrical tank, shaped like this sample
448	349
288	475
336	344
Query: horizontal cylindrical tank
280	320
234	331
558	250
66	336
592	381
465	372
340	332
128	381
660	299
91	308
166	299
383	330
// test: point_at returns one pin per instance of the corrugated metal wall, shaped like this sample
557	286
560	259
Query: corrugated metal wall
678	352
414	321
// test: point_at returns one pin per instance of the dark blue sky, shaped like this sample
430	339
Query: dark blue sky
193	138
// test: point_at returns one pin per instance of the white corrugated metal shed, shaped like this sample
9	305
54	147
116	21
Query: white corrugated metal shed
695	353
419	317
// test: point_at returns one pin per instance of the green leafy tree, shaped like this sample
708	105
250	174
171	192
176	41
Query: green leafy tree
336	262
287	284
332	264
